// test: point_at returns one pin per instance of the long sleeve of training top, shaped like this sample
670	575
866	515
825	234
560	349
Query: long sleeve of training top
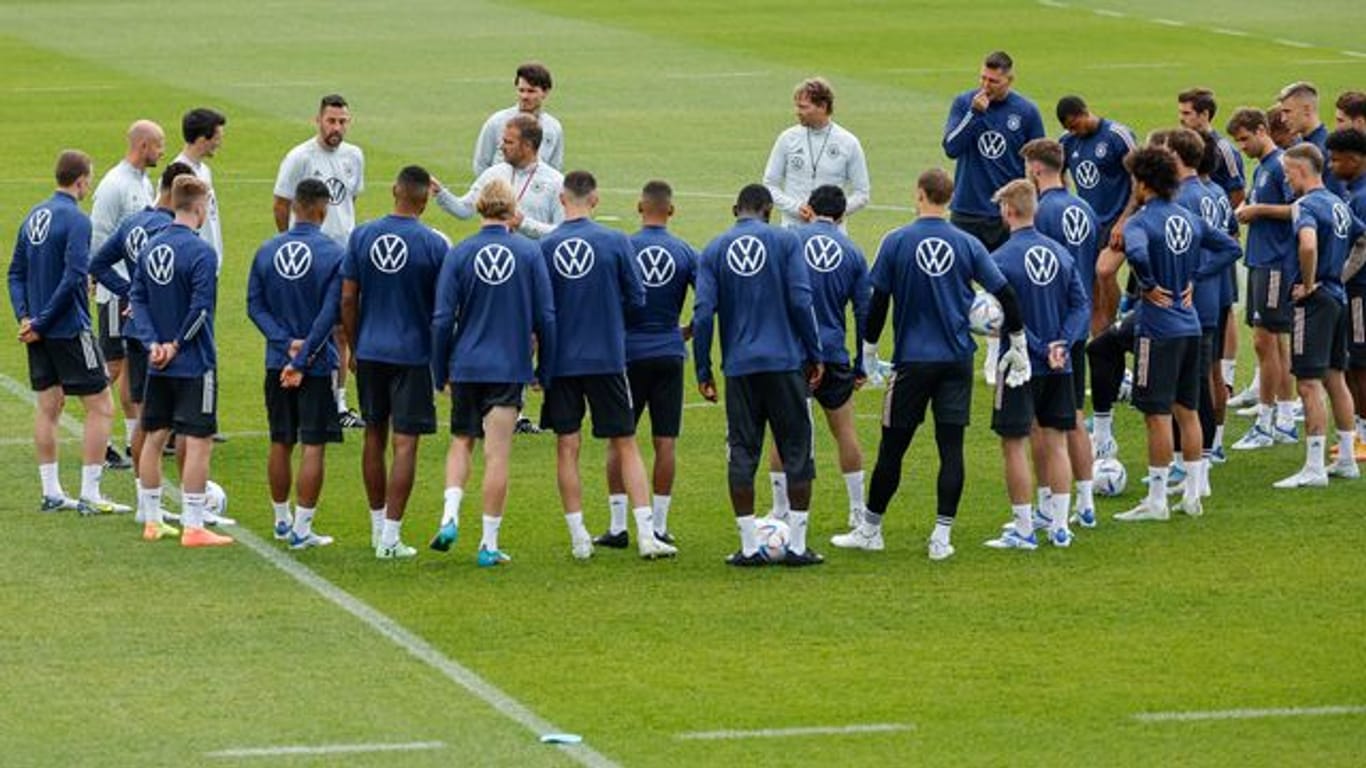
799	304
203	297
443	318
704	315
860	186
321	331
76	258
962	127
543	315
259	309
1078	318
774	174
18	278
1219	251
862	300
102	267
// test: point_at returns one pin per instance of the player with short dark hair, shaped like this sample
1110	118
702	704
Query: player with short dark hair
1299	106
1055	310
596	287
1094	149
984	132
1163	244
389	279
533	83
1350	110
492	299
752	279
1196	108
1348	146
174	298
654	359
202	128
927	268
47	288
1325	231
294	298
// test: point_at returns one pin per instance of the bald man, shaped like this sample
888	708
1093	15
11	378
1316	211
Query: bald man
125	190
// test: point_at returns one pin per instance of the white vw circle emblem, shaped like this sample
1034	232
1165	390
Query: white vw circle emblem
161	264
991	144
574	258
389	253
1041	265
1178	234
934	256
494	264
656	266
1076	225
336	189
1209	211
1088	175
1225	212
133	243
1342	220
293	259
746	255
39	225
823	253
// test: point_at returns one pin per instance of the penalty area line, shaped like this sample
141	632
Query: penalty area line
1247	714
325	749
782	733
380	623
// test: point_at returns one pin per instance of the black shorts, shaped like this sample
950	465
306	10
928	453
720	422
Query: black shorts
76	364
304	414
135	369
779	400
187	406
1047	399
401	394
1077	356
109	318
472	401
607	395
1166	371
1356	327
1318	339
1268	299
991	230
837	386
657	383
914	386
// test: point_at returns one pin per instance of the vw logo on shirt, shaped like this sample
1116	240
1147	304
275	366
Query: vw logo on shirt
656	266
133	243
38	226
389	253
161	264
1178	234
823	254
1041	265
1076	225
1087	175
746	255
934	256
574	258
991	144
293	259
1209	211
494	264
1342	221
336	189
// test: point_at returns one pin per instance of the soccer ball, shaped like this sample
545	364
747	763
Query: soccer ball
986	315
773	536
1110	477
215	499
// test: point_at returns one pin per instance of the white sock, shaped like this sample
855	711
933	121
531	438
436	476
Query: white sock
1285	414
1043	493
1264	413
52	486
303	521
941	531
130	428
377	524
853	484
1061	504
450	513
797	520
617	504
1157	487
90	480
281	511
661	513
1101	425
645	524
577	532
191	509
1024	519
1194	480
1085	497
1347	450
1256	378
749	537
1218	437
490	540
781	504
149	501
1314	455
1229	366
341	399
389	532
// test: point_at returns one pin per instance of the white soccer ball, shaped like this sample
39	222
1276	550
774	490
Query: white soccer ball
215	498
986	315
773	536
1110	477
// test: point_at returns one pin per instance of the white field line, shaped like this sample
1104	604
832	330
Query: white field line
1247	714
1292	43
1135	65
1354	54
1169	22
326	749
714	75
1229	32
414	645
1108	13
783	733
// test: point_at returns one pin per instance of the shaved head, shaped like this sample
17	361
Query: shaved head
146	143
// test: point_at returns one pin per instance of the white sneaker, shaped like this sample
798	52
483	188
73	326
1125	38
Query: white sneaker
1345	471
1303	479
1193	508
1255	439
1107	448
1286	434
650	548
855	517
1144	511
863	536
311	540
399	551
211	519
1246	410
1248	396
939	550
582	548
1010	539
1061	538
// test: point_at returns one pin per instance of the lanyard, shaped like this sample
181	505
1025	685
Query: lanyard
529	176
816	157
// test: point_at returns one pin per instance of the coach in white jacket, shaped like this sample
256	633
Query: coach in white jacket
815	152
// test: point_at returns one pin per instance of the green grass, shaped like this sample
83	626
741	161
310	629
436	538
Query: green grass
118	653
